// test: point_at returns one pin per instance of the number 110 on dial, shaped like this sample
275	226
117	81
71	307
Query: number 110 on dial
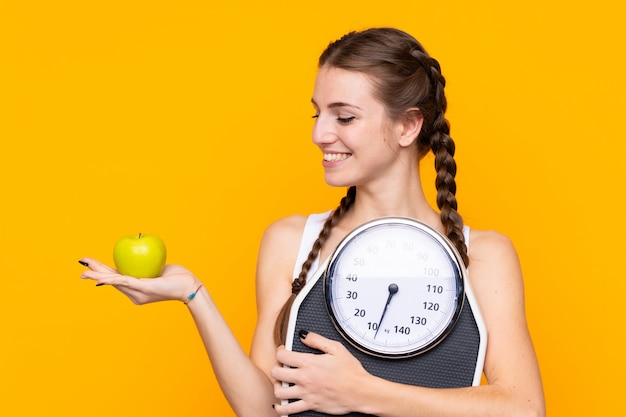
394	287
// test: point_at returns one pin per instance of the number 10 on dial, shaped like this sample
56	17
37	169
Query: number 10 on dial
394	287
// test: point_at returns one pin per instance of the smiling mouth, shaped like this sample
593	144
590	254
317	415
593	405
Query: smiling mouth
334	157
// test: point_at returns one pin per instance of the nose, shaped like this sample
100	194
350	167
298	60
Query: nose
323	133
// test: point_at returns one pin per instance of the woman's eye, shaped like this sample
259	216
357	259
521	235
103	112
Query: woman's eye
345	120
316	115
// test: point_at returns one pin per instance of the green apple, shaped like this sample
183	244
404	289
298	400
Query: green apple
140	256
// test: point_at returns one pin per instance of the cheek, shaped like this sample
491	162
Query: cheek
390	141
388	132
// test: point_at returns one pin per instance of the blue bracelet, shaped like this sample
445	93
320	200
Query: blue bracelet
193	294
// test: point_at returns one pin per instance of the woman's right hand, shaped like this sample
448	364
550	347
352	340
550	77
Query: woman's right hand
176	282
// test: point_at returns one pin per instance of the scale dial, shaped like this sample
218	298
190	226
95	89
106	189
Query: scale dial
394	287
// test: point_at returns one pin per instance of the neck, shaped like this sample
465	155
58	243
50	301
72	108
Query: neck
394	199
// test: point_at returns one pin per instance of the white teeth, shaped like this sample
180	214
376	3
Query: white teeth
332	157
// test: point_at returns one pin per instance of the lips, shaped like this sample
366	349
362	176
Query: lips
334	157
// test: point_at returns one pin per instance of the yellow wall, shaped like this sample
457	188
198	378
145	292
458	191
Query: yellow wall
192	121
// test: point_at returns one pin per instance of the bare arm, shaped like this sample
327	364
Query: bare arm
244	379
514	384
246	387
276	261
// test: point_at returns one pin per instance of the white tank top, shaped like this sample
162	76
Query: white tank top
312	228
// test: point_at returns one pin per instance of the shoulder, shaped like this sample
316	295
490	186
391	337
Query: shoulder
279	247
277	256
495	274
283	233
489	245
492	257
286	233
494	269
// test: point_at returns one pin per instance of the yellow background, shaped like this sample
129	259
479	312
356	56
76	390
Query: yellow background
191	120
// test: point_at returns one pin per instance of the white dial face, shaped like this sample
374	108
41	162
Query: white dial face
394	287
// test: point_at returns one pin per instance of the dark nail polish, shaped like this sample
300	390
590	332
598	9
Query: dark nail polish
83	263
99	284
273	406
303	334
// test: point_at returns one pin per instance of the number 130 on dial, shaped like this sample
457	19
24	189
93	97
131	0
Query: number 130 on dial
394	287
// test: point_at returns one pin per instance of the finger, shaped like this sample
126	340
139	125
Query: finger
129	286
287	392
135	296
287	408
134	288
96	265
96	276
286	374
112	278
317	341
290	358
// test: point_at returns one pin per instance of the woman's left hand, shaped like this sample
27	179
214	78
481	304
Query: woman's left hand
322	382
175	283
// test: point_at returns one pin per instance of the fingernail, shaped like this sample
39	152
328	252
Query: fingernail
83	263
83	277
99	284
273	406
303	334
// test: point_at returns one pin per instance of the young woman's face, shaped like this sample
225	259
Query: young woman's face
351	129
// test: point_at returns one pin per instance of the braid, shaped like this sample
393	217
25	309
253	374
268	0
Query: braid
280	329
443	148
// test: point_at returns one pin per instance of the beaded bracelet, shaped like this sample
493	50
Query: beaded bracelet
193	294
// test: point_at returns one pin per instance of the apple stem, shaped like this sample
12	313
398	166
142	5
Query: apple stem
139	235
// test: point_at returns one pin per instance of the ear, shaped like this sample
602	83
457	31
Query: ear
410	126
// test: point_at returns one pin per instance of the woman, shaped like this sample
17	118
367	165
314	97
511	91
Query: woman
379	108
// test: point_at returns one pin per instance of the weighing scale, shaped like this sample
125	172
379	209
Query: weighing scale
395	293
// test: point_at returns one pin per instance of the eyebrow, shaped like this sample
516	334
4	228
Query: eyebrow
338	104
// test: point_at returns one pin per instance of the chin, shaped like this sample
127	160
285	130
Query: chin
337	182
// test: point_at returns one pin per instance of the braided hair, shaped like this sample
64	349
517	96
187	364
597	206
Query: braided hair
403	76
